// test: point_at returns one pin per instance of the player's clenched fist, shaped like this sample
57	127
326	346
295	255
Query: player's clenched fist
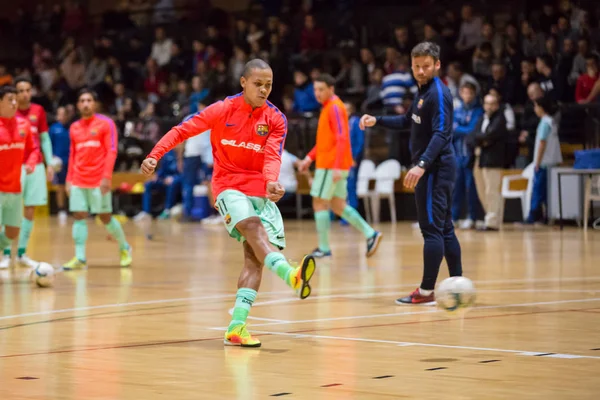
367	121
275	191
148	166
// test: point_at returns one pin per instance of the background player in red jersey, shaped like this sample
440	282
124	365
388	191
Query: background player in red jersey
35	190
247	136
91	161
15	141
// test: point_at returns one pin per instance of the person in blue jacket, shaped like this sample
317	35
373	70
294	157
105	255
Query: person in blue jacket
466	116
357	143
61	144
166	179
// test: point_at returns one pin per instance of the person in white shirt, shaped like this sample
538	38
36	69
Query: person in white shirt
287	174
161	48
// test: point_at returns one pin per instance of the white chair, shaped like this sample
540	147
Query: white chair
523	195
366	172
386	174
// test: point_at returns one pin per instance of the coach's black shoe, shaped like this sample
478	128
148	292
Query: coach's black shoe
318	253
373	243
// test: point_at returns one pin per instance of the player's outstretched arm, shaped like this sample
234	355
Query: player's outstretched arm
392	121
196	125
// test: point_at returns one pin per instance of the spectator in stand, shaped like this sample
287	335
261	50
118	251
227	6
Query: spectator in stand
236	65
503	83
179	64
391	60
482	61
495	39
198	54
396	85
512	61
368	61
546	79
161	48
373	95
580	60
564	30
548	18
529	120
153	77
470	31
73	71
402	42
533	43
564	64
350	78
466	117
304	94
220	42
490	137
586	81
240	36
5	77
457	77
509	114
199	93
255	34
312	38
95	72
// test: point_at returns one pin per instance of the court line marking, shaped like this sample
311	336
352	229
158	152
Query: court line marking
353	317
231	295
406	344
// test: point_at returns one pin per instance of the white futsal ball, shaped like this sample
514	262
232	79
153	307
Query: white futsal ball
455	293
56	163
43	275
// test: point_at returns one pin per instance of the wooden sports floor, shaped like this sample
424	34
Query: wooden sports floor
156	331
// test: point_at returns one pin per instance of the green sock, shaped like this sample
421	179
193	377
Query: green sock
24	234
277	263
80	235
116	231
5	243
354	218
323	221
243	302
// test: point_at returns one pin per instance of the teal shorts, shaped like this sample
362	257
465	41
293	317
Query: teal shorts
34	186
11	209
324	188
90	200
235	206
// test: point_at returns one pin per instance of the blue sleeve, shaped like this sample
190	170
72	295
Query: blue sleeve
545	130
462	130
393	122
441	123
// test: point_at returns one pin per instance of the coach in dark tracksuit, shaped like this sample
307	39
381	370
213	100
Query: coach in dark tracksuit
434	172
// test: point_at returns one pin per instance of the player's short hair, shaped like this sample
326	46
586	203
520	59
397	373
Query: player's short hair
23	79
251	65
6	89
547	104
326	79
87	91
469	85
426	49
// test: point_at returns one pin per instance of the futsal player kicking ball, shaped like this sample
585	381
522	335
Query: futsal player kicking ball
15	141
333	155
247	135
435	171
35	189
91	161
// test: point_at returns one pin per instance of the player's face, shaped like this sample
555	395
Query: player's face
8	105
23	93
257	86
86	105
322	92
424	68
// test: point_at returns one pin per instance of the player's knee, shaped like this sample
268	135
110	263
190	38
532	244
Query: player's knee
28	212
80	215
320	204
248	226
11	232
105	218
